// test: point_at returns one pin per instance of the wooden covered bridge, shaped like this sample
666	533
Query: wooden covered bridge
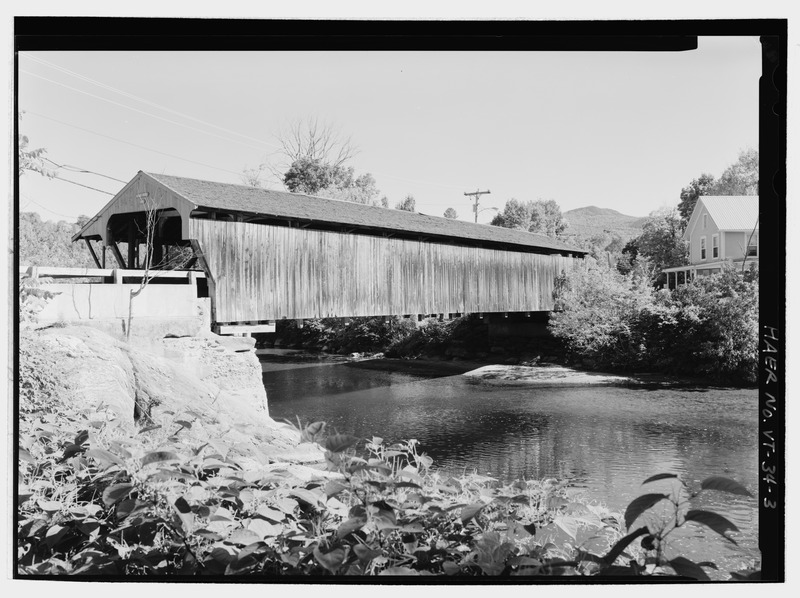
269	255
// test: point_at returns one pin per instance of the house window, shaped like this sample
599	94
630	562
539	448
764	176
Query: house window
702	248
752	246
715	246
705	221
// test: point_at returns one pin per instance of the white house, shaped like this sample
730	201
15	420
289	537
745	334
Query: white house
723	228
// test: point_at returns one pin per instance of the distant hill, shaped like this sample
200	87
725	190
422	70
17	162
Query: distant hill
589	221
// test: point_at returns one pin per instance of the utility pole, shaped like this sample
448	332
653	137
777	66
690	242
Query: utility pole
477	195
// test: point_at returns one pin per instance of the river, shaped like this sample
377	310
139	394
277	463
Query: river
604	440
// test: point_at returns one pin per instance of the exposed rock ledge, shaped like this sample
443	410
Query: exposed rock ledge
213	381
544	376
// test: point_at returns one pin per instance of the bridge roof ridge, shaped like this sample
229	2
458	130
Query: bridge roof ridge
284	204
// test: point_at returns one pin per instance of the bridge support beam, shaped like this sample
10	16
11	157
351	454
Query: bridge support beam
527	324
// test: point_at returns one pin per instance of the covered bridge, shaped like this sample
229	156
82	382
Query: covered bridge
269	255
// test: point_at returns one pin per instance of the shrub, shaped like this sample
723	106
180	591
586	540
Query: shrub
427	339
708	327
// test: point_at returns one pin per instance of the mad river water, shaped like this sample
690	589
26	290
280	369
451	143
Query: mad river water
604	440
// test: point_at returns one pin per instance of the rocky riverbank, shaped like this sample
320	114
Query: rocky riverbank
213	381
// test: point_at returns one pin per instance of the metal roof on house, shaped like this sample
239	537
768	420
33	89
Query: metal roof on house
282	204
732	212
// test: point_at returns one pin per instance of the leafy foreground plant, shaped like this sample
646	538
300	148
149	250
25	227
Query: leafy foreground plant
659	526
93	501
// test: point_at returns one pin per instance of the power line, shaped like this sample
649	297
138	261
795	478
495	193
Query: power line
149	149
83	171
174	122
58	178
144	100
178	113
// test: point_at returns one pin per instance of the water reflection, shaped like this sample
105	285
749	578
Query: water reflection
605	439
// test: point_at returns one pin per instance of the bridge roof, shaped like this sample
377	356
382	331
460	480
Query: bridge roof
282	204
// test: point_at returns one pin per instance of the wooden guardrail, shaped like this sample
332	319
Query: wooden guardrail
115	273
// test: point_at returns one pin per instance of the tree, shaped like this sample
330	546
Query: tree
361	190
152	268
689	194
542	217
515	214
549	220
408	204
309	175
316	141
44	243
450	213
662	241
253	176
32	159
740	178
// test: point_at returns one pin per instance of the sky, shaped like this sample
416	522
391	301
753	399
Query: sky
619	130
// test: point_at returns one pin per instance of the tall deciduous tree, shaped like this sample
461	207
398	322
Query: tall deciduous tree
45	243
309	175
662	242
361	189
450	213
408	204
543	217
741	177
689	194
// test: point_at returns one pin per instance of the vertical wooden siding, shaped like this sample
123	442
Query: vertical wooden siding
267	272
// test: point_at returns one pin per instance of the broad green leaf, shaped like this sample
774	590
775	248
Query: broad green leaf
384	519
208	535
158	457
450	568
364	553
308	496
470	511
311	432
412	527
271	514
81	437
332	488
407	485
399	571
622	544
184	423
716	522
126	507
724	485
330	560
640	505
149	428
659	476
24	455
114	494
182	505
568	524
50	505
264	529
687	568
351	525
339	442
55	534
105	458
243	537
71	450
